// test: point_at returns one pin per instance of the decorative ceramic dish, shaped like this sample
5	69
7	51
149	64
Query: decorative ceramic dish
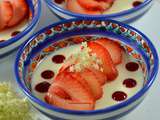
39	61
11	38
126	10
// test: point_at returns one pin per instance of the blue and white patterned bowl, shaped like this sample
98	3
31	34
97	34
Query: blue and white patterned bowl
12	43
49	39
124	16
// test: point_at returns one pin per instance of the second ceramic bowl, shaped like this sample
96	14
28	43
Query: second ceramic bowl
123	16
12	38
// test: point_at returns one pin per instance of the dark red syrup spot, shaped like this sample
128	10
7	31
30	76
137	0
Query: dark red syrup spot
132	66
47	74
59	1
119	96
15	33
129	83
2	41
58	59
137	3
42	87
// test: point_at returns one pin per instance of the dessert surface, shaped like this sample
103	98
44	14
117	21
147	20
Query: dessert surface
107	87
97	7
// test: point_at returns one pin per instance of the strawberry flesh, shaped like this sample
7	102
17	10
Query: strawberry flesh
103	54
113	48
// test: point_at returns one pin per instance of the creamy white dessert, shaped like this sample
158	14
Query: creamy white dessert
108	88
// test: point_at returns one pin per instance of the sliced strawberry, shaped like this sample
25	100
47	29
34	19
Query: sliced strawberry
73	6
93	83
79	97
95	4
5	13
102	53
101	77
80	79
72	87
75	75
69	104
113	48
20	11
59	92
89	80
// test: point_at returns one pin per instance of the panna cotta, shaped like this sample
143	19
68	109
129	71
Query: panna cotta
59	78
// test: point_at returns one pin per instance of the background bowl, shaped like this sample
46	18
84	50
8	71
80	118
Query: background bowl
8	46
49	39
124	16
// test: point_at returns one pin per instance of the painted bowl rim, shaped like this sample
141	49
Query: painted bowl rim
94	112
114	15
26	30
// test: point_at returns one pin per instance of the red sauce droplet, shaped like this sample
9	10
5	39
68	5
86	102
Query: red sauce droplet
129	83
58	59
47	74
59	1
42	87
119	96
132	66
2	41
15	33
136	3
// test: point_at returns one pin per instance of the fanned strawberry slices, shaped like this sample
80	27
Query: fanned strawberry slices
79	82
88	6
12	12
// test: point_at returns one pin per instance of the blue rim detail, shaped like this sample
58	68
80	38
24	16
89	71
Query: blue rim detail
51	4
27	29
94	112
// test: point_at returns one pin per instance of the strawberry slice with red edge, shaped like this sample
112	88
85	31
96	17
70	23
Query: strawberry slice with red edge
74	6
101	77
91	79
113	48
77	76
93	83
59	92
100	5
103	54
20	11
58	101
6	13
80	98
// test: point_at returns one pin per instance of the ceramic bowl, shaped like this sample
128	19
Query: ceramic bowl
123	16
54	37
21	32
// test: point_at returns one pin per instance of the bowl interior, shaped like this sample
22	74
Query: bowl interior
10	34
60	35
115	10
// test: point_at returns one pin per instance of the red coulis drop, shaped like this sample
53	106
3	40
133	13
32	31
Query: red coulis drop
58	59
119	96
132	66
59	1
15	33
42	87
129	83
136	3
2	41
47	74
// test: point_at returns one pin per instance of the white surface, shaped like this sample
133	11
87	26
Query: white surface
148	24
